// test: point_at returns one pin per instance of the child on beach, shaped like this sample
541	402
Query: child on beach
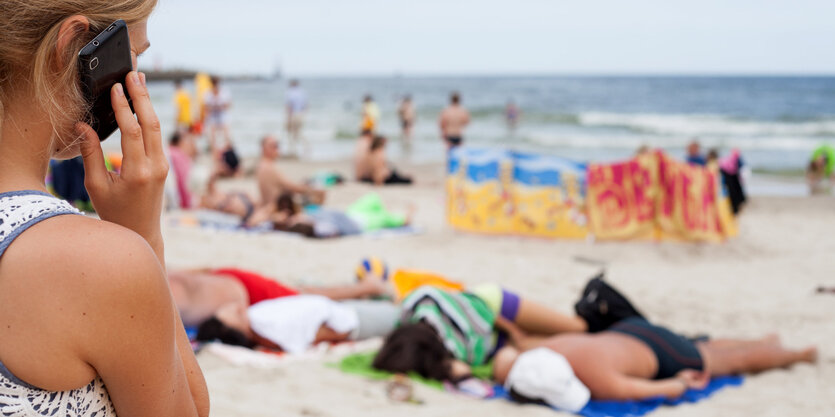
88	324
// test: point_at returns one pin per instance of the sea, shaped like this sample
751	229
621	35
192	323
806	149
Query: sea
776	121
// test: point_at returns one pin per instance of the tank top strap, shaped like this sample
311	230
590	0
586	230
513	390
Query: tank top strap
20	210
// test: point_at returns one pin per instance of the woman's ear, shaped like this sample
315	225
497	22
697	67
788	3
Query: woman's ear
70	29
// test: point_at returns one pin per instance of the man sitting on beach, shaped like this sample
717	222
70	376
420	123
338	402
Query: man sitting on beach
454	119
272	182
372	166
632	360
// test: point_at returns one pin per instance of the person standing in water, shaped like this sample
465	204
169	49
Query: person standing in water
511	114
406	112
182	107
217	104
89	327
370	114
454	119
296	106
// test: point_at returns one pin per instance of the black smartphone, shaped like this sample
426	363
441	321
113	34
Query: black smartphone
102	63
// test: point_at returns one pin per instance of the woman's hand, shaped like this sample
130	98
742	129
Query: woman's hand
132	198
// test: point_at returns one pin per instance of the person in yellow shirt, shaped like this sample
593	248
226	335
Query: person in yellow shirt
182	104
370	114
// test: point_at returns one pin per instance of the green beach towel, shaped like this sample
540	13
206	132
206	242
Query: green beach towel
373	215
361	364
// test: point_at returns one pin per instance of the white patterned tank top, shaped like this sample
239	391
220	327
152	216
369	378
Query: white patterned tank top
20	210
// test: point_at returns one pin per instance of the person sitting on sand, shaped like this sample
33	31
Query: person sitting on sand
632	360
367	214
372	166
181	152
272	182
821	169
227	161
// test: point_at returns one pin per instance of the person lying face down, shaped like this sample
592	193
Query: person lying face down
296	323
443	333
632	360
200	293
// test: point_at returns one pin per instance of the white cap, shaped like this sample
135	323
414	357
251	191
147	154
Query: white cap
542	374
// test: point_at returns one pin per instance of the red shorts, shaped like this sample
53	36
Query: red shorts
258	287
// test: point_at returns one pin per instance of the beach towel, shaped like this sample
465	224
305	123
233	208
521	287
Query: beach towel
222	222
360	364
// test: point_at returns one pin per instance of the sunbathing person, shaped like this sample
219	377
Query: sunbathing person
632	360
237	203
372	166
443	332
200	293
272	182
367	214
295	323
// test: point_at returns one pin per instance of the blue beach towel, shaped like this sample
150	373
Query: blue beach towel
639	408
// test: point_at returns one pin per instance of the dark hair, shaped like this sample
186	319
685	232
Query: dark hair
230	158
455	97
519	398
215	80
214	329
367	98
366	132
178	82
176	137
378	142
286	203
712	154
415	348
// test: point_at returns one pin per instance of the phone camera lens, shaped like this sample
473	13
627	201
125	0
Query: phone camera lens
95	43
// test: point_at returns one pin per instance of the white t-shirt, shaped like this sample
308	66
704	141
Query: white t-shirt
216	103
296	100
292	322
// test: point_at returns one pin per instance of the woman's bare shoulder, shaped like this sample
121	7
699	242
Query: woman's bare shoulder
75	255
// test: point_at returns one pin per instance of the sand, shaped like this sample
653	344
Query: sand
760	282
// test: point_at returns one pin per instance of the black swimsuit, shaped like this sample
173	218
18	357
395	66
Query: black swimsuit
674	352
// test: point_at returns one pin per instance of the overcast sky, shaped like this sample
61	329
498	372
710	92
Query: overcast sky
413	37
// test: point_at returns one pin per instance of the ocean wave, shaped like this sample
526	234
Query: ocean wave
706	125
591	141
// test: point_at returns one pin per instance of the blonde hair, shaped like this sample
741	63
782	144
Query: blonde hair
28	59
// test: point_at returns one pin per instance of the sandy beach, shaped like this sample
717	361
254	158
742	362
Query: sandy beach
763	281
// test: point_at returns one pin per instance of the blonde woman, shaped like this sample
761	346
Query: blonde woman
87	323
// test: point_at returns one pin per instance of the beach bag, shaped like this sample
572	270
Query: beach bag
602	306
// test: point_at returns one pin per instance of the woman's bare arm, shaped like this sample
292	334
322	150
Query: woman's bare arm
134	338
